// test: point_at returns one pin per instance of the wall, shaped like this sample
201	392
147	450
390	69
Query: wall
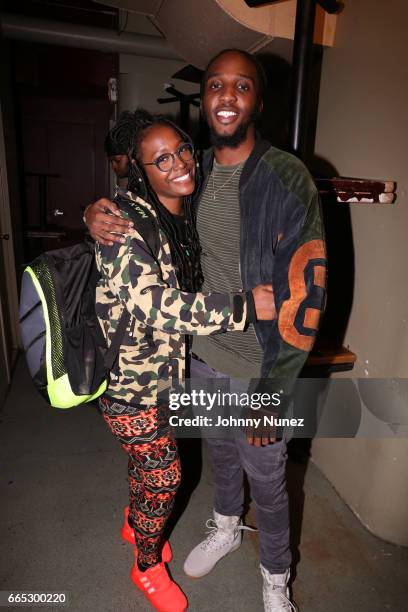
141	83
363	132
11	251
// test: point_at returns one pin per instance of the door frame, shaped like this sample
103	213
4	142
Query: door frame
9	326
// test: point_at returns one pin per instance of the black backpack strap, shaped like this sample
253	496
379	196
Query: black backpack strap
113	350
144	221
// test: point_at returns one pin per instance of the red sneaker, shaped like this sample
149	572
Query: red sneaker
157	586
128	535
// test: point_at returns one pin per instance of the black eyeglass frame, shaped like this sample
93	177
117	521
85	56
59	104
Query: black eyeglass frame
177	152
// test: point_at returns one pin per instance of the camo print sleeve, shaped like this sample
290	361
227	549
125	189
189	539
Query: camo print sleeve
150	292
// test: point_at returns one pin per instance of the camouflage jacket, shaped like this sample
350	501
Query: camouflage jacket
153	349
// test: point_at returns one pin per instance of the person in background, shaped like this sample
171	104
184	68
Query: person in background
117	147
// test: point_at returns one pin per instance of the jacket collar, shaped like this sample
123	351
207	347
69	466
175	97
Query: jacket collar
135	198
260	148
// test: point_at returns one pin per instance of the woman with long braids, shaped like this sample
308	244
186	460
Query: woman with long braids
160	291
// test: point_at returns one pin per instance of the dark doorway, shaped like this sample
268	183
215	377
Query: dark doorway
64	166
63	114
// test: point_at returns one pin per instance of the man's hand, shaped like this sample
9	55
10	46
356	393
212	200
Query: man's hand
102	218
264	302
264	434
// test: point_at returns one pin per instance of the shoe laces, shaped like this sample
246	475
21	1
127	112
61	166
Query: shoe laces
214	531
279	598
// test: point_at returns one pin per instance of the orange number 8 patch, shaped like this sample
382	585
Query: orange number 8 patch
306	254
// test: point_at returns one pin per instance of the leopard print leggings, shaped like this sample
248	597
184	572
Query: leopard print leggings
153	471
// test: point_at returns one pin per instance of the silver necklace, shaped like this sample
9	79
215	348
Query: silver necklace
214	190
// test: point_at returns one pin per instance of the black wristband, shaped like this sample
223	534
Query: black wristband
238	307
251	310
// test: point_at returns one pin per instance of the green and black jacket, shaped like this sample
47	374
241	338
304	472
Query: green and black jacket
282	242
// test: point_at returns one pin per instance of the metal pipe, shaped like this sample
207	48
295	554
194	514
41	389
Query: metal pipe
84	37
301	67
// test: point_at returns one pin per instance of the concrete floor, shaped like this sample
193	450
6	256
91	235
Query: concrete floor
63	487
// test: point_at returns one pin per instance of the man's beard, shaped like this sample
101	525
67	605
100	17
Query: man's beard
232	141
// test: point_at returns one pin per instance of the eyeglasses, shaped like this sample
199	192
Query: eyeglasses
165	162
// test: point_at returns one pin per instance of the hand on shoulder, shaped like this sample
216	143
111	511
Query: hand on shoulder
105	223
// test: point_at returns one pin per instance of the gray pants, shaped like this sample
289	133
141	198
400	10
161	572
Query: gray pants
265	469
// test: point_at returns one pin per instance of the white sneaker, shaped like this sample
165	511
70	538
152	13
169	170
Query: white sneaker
224	536
276	592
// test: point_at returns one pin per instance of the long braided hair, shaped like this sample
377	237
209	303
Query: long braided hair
186	258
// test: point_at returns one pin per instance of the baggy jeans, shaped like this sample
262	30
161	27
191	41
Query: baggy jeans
265	469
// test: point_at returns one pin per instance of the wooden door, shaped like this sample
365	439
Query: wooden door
65	167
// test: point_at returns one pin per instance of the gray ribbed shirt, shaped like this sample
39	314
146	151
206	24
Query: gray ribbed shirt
237	354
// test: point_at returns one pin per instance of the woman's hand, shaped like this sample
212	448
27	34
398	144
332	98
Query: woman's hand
264	302
105	222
